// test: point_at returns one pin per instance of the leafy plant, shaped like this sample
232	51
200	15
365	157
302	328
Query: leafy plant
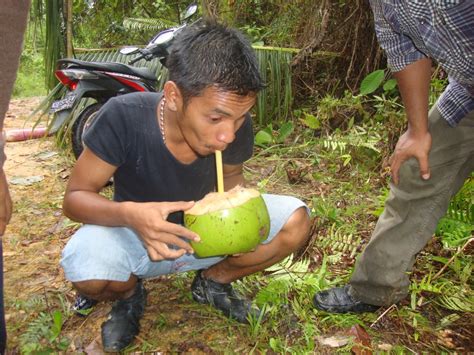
449	295
43	334
267	136
458	224
374	80
337	241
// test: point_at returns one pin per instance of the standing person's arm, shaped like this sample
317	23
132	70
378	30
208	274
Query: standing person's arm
414	83
412	70
13	16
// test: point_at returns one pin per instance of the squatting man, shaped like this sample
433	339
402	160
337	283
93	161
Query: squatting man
159	149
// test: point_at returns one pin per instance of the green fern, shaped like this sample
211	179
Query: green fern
449	295
147	24
457	225
337	241
288	276
355	139
334	144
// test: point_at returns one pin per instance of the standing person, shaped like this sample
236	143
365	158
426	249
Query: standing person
432	159
159	147
13	16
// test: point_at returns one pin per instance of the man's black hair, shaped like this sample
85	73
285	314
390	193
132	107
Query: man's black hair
209	54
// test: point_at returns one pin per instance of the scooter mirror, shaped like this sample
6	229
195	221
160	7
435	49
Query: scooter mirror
190	10
162	37
128	50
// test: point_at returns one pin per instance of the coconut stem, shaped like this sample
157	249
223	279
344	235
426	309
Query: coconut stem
220	174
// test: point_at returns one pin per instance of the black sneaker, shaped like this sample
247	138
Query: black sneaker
339	300
83	305
123	322
223	297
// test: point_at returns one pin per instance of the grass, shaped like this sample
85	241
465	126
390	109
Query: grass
30	77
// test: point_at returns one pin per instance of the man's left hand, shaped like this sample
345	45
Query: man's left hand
411	145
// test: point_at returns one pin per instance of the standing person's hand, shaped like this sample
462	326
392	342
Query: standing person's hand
5	199
5	203
411	145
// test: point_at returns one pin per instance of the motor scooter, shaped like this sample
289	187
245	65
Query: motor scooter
100	81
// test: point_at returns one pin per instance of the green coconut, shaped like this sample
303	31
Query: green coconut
228	223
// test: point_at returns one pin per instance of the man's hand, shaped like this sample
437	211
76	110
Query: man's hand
149	220
411	145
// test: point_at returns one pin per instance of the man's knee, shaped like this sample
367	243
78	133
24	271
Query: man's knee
296	230
91	288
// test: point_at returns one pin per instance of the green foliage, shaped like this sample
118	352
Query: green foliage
448	294
274	102
337	241
30	77
147	24
457	225
268	136
43	333
54	45
372	82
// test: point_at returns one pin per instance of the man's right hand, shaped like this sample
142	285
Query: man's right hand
411	145
149	220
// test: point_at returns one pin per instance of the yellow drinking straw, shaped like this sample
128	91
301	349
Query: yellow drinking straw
220	174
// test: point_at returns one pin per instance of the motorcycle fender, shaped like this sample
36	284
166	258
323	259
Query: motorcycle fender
60	118
63	112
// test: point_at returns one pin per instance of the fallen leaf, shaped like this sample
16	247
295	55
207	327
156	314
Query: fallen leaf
26	181
45	155
362	341
335	341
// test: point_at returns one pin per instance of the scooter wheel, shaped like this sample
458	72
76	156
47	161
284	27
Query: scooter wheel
80	126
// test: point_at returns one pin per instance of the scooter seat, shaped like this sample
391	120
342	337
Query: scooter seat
144	73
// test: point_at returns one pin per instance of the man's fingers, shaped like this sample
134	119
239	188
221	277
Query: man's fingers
171	239
424	167
167	253
394	167
153	254
160	251
177	229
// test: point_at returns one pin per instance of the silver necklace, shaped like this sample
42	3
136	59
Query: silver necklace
162	119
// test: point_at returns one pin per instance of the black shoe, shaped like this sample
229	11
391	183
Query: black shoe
83	305
223	297
123	322
339	300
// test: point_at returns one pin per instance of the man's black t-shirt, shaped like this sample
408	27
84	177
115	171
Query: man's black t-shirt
126	134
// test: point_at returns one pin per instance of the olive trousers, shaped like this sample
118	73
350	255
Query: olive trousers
412	212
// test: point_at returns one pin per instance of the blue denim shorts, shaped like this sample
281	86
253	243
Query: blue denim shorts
114	253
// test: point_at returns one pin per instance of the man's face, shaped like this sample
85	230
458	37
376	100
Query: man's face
209	122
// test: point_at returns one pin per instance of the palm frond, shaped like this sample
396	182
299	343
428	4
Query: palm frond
458	223
448	294
354	139
274	102
337	241
147	24
54	46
